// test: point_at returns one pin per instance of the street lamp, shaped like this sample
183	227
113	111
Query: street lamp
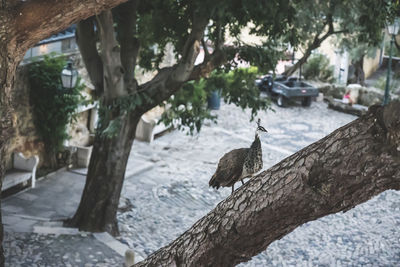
392	30
69	76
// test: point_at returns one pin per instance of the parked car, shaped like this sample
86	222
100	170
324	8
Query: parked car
284	89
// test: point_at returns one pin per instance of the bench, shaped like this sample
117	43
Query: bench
23	170
148	127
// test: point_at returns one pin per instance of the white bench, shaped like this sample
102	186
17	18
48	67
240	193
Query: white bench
24	169
147	127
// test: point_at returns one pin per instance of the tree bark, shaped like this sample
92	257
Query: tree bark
336	173
23	24
86	40
359	71
99	203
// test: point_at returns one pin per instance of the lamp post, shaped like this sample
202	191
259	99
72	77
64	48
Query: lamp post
69	76
392	30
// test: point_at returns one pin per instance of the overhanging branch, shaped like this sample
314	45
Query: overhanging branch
169	80
126	30
86	40
110	54
37	20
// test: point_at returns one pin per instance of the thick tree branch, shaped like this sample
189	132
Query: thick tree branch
216	59
35	20
110	54
170	79
340	171
126	16
205	48
86	39
317	41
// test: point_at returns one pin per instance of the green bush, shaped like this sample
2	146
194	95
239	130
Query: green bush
53	105
188	107
317	68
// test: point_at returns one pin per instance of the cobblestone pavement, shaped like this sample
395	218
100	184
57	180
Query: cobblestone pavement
172	196
31	250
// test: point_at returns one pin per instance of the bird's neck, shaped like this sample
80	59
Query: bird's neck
256	145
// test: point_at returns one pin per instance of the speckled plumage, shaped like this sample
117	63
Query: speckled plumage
238	164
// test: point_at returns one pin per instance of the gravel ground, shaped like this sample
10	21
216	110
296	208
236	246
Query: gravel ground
31	250
174	194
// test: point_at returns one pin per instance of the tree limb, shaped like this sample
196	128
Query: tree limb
216	59
317	41
110	54
35	20
168	80
336	173
86	40
205	48
126	30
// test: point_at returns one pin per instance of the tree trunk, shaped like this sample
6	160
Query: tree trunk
336	173
23	24
299	63
99	203
98	207
359	71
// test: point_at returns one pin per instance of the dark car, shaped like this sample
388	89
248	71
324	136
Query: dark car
284	89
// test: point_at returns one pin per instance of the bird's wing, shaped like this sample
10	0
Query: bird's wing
230	167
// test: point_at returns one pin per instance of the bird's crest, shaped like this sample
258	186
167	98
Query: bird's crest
259	127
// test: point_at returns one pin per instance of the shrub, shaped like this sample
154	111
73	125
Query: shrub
188	108
318	68
53	105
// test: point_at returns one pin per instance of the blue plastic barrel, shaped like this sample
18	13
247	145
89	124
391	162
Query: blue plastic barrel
214	100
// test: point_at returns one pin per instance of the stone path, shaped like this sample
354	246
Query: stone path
31	249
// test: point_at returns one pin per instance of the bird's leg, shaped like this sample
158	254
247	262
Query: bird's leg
242	182
233	188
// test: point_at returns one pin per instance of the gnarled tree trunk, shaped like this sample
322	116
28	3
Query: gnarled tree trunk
336	173
23	24
98	207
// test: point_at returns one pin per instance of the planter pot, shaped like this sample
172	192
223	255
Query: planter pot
214	100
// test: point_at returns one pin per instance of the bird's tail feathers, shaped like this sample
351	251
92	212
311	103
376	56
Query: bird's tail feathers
213	182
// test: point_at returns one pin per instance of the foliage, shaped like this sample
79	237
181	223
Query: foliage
53	105
242	91
276	22
317	67
110	115
188	107
393	86
363	19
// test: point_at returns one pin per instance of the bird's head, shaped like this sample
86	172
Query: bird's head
260	129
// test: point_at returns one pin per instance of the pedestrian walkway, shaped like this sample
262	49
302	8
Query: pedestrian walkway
33	231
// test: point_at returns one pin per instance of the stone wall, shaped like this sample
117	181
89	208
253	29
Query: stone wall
26	139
